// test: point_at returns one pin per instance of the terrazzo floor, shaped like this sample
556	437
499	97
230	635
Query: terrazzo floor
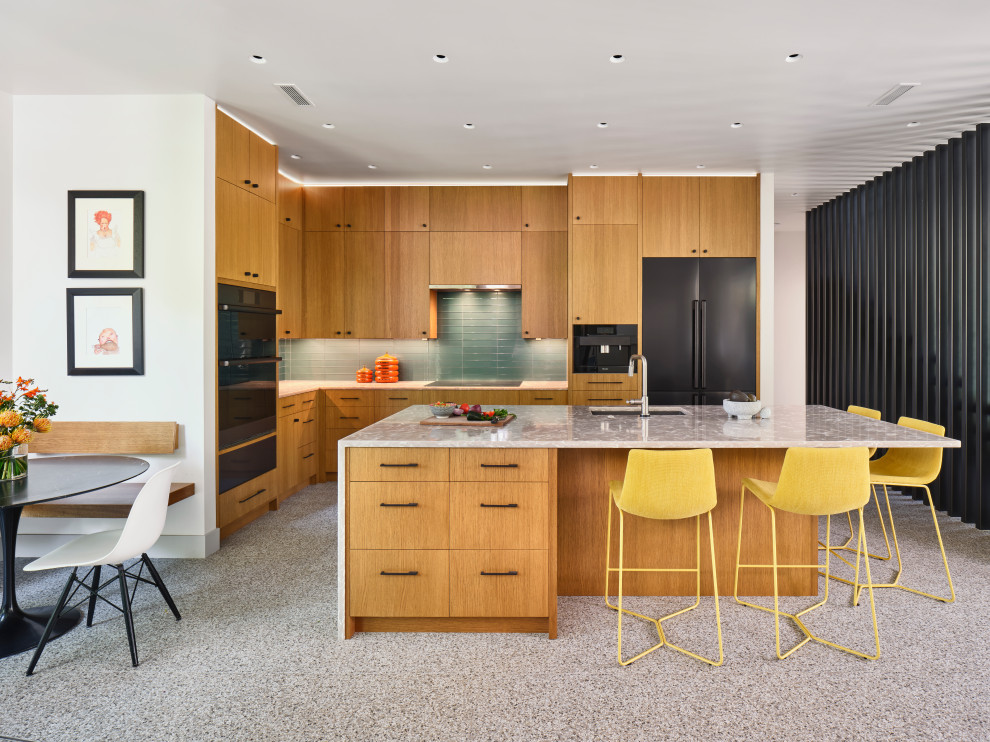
255	658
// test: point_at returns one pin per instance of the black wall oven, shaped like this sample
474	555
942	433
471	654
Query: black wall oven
248	371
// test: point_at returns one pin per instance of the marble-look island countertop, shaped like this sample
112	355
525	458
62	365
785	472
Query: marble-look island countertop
289	387
562	426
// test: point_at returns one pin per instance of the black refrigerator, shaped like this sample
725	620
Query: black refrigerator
699	328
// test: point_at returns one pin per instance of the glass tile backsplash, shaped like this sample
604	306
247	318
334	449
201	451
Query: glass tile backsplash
479	339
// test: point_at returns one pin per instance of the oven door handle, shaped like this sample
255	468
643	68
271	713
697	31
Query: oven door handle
247	310
250	361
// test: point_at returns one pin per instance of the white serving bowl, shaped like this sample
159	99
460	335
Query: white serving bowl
742	410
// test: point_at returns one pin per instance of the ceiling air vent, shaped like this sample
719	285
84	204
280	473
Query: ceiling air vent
295	95
894	93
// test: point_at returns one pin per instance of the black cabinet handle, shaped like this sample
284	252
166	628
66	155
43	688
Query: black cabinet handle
308	456
247	182
604	382
424	225
288	219
394	465
287	406
424	332
348	332
499	466
525	332
510	505
355	417
338	226
348	226
254	275
351	398
513	573
247	273
543	399
576	218
338	332
307	422
400	574
288	332
704	251
525	225
577	318
295	419
693	250
254	185
398	399
398	504
239	502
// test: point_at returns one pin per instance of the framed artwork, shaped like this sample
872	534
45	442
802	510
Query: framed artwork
106	234
105	331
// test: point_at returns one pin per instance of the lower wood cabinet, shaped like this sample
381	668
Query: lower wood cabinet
498	583
298	434
242	499
399	583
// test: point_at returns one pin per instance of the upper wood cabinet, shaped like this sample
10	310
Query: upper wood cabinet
544	284
730	217
245	159
324	284
289	203
474	257
475	208
339	209
364	271
671	217
407	208
605	200
544	208
407	285
246	236
604	263
290	282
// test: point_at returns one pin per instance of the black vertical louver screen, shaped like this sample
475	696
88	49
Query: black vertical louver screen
899	306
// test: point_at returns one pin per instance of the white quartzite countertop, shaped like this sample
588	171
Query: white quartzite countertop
561	426
288	388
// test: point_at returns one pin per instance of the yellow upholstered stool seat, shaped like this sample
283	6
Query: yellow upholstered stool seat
813	481
664	485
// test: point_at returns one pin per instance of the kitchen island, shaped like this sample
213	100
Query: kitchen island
480	528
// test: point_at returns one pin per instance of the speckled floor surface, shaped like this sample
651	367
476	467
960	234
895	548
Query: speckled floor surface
255	658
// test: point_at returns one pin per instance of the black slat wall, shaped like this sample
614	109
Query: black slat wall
899	306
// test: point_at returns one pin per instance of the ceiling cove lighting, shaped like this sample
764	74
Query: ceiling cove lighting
793	57
329	126
258	59
225	112
617	59
440	58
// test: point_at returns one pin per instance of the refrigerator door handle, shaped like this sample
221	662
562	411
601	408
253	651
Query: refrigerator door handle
695	347
704	343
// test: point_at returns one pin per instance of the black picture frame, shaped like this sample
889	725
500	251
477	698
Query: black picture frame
85	347
81	203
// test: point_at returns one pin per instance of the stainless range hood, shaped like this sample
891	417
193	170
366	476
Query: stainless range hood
476	287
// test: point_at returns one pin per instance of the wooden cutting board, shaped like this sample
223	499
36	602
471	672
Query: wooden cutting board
461	421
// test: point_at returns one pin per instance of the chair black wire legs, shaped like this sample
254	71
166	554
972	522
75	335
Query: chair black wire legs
62	600
161	585
128	618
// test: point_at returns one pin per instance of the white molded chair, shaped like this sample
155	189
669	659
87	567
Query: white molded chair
140	532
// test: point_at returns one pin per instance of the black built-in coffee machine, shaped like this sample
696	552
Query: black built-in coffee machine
603	349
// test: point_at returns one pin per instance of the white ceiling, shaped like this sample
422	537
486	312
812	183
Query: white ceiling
534	77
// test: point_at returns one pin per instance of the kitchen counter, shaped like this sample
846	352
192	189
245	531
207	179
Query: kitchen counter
288	388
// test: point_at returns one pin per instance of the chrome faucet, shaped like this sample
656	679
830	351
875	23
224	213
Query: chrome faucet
643	400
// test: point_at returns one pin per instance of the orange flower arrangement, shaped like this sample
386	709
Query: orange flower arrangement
23	412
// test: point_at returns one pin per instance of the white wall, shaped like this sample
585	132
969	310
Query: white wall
789	322
6	231
162	145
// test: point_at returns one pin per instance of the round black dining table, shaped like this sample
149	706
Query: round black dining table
49	478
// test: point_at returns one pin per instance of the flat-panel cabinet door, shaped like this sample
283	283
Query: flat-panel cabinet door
407	284
364	285
475	208
407	208
605	200
544	208
671	217
364	209
290	282
323	208
474	258
264	241
730	218
728	324
324	266
289	200
544	284
605	274
670	323
263	167
233	144
234	259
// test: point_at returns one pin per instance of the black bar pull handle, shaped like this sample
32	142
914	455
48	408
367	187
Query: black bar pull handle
287	406
401	574
410	465
402	399
604	382
510	505
398	504
696	351
704	343
307	422
499	466
350	417
251	496
309	455
513	573
350	398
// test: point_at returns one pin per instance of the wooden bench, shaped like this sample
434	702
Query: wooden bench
121	438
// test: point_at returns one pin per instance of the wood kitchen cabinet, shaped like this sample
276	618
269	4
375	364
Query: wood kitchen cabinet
407	209
605	200
364	285
290	282
338	209
323	284
544	284
244	159
604	264
289	201
544	208
730	217
297	441
671	217
475	258
475	208
246	237
343	284
407	285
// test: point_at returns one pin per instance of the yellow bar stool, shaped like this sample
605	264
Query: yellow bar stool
664	485
813	481
911	467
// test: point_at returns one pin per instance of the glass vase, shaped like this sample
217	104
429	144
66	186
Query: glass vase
14	463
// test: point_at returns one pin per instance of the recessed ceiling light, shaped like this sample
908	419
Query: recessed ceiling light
603	124
468	126
487	167
700	167
793	57
913	123
329	126
736	125
593	167
295	157
258	59
440	58
372	167
616	59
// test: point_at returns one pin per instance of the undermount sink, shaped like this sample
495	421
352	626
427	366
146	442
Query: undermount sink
654	411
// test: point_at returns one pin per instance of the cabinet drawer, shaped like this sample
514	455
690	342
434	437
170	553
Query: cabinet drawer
507	516
399	465
498	583
397	592
305	430
604	382
290	405
400	398
244	498
350	397
403	515
603	397
308	461
353	418
498	465
558	396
